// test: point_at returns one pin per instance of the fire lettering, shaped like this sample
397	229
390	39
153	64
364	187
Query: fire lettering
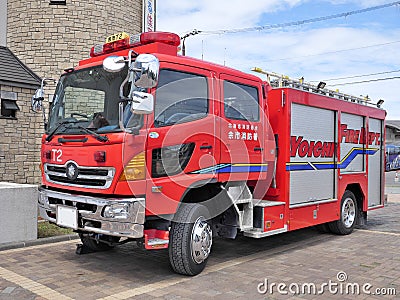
352	136
304	148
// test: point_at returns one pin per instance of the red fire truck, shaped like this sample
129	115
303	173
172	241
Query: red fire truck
169	151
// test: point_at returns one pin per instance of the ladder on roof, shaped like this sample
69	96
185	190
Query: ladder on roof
282	81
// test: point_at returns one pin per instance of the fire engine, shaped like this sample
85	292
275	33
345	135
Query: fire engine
145	145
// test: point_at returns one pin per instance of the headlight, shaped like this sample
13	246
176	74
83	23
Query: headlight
117	211
135	169
171	160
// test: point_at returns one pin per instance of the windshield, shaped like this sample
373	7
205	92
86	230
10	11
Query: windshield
89	98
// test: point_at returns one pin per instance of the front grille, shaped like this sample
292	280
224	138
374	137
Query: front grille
78	205
90	177
60	179
83	171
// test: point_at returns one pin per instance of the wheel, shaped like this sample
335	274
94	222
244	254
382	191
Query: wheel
190	239
348	215
100	244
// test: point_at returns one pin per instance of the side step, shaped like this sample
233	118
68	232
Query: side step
268	219
242	200
156	239
258	234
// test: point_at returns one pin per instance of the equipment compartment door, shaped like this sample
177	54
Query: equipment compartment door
375	162
312	155
352	144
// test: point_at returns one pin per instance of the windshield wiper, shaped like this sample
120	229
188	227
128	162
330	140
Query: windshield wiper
100	138
54	131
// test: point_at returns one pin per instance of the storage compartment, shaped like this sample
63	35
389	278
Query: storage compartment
268	215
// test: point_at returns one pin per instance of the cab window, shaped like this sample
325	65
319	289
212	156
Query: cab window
241	102
180	98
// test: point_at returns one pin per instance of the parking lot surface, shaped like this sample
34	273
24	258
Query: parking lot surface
243	268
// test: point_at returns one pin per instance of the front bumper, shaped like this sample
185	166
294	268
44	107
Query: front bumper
91	213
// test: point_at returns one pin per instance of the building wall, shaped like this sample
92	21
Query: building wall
51	38
20	141
392	135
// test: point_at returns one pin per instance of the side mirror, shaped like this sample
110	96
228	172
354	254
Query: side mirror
148	67
37	100
142	103
114	63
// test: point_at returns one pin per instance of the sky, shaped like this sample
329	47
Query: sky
358	44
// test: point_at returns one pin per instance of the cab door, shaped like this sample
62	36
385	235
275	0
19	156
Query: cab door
241	130
181	141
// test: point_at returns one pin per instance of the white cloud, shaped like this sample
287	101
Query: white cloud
181	16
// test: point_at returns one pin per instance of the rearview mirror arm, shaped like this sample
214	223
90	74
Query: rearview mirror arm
39	100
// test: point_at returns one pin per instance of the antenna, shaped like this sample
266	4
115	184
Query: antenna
202	49
225	56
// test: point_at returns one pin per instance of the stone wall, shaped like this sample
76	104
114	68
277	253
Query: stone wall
20	141
83	101
51	38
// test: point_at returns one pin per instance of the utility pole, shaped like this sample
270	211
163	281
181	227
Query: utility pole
183	38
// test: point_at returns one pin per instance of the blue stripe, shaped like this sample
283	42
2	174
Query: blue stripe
353	155
299	167
209	170
242	169
229	168
307	166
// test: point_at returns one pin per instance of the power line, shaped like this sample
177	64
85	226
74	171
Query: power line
296	23
332	52
358	76
365	81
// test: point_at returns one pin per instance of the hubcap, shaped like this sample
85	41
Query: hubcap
201	240
348	212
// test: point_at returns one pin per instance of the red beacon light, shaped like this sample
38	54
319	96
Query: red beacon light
122	41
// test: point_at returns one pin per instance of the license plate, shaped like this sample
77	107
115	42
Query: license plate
67	216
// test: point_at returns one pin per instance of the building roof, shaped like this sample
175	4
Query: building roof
393	123
14	73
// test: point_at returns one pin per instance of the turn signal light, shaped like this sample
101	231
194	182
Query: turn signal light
135	169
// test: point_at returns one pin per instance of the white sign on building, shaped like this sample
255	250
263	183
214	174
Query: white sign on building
149	15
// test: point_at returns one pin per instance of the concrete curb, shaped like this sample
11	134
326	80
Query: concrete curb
40	241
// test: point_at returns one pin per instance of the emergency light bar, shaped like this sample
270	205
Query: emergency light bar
126	42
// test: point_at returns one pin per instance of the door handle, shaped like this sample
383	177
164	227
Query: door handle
205	147
256	149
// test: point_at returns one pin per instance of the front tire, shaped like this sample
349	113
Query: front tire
348	215
190	239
